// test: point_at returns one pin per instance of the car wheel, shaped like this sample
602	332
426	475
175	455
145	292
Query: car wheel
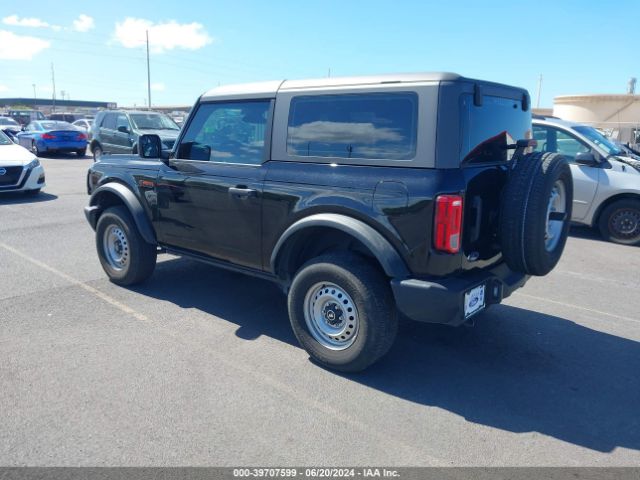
342	311
536	213
97	152
82	152
125	256
620	222
34	148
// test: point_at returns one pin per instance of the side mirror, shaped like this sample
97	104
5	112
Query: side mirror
149	146
586	158
123	129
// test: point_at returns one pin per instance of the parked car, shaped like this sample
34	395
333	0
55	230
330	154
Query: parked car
361	197
20	169
12	134
53	136
65	116
117	131
83	123
606	177
24	117
8	123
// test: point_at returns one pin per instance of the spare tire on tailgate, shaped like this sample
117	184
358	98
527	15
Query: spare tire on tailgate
536	212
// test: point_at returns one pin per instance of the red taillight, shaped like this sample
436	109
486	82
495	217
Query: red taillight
48	136
447	233
82	136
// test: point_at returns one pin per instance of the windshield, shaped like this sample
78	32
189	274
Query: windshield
153	121
600	140
7	121
4	140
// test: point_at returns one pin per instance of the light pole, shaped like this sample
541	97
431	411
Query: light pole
35	105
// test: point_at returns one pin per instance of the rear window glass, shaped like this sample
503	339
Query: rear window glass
373	126
487	129
55	125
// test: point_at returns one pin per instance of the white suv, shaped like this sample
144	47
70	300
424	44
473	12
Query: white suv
20	170
606	179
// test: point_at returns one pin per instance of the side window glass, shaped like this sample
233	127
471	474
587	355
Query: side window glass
122	121
556	141
109	121
540	135
375	126
230	132
569	146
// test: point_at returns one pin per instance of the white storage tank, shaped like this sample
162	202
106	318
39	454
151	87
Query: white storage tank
617	115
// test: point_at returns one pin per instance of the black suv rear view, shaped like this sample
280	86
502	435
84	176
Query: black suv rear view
365	198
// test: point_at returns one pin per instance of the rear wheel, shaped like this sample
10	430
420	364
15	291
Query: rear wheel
620	222
82	152
342	311
34	148
125	256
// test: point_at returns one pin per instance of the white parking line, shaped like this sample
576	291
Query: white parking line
571	305
260	377
103	296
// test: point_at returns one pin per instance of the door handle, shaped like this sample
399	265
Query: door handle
241	191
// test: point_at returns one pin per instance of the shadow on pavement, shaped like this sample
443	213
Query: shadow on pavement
16	198
581	231
517	370
62	155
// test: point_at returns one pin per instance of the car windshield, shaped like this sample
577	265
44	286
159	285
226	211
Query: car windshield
7	121
599	139
4	140
153	121
57	126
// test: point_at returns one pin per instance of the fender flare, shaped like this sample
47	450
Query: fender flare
130	201
384	252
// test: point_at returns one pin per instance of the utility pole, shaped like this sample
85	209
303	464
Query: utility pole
53	81
329	73
148	73
539	91
35	101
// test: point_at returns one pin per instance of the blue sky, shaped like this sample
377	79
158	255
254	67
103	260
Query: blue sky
579	46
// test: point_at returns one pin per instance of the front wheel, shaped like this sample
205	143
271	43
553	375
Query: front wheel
97	152
620	222
342	311
125	257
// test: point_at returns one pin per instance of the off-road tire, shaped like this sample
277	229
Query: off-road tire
372	297
141	255
524	209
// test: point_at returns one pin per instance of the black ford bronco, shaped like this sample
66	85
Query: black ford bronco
365	198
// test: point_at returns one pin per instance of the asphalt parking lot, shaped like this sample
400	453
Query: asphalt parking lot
198	366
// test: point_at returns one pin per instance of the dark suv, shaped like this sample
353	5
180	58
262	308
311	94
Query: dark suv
117	131
363	198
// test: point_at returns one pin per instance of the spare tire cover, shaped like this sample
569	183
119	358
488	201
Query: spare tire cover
536	212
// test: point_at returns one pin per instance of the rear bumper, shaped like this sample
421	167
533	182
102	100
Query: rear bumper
70	146
442	300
